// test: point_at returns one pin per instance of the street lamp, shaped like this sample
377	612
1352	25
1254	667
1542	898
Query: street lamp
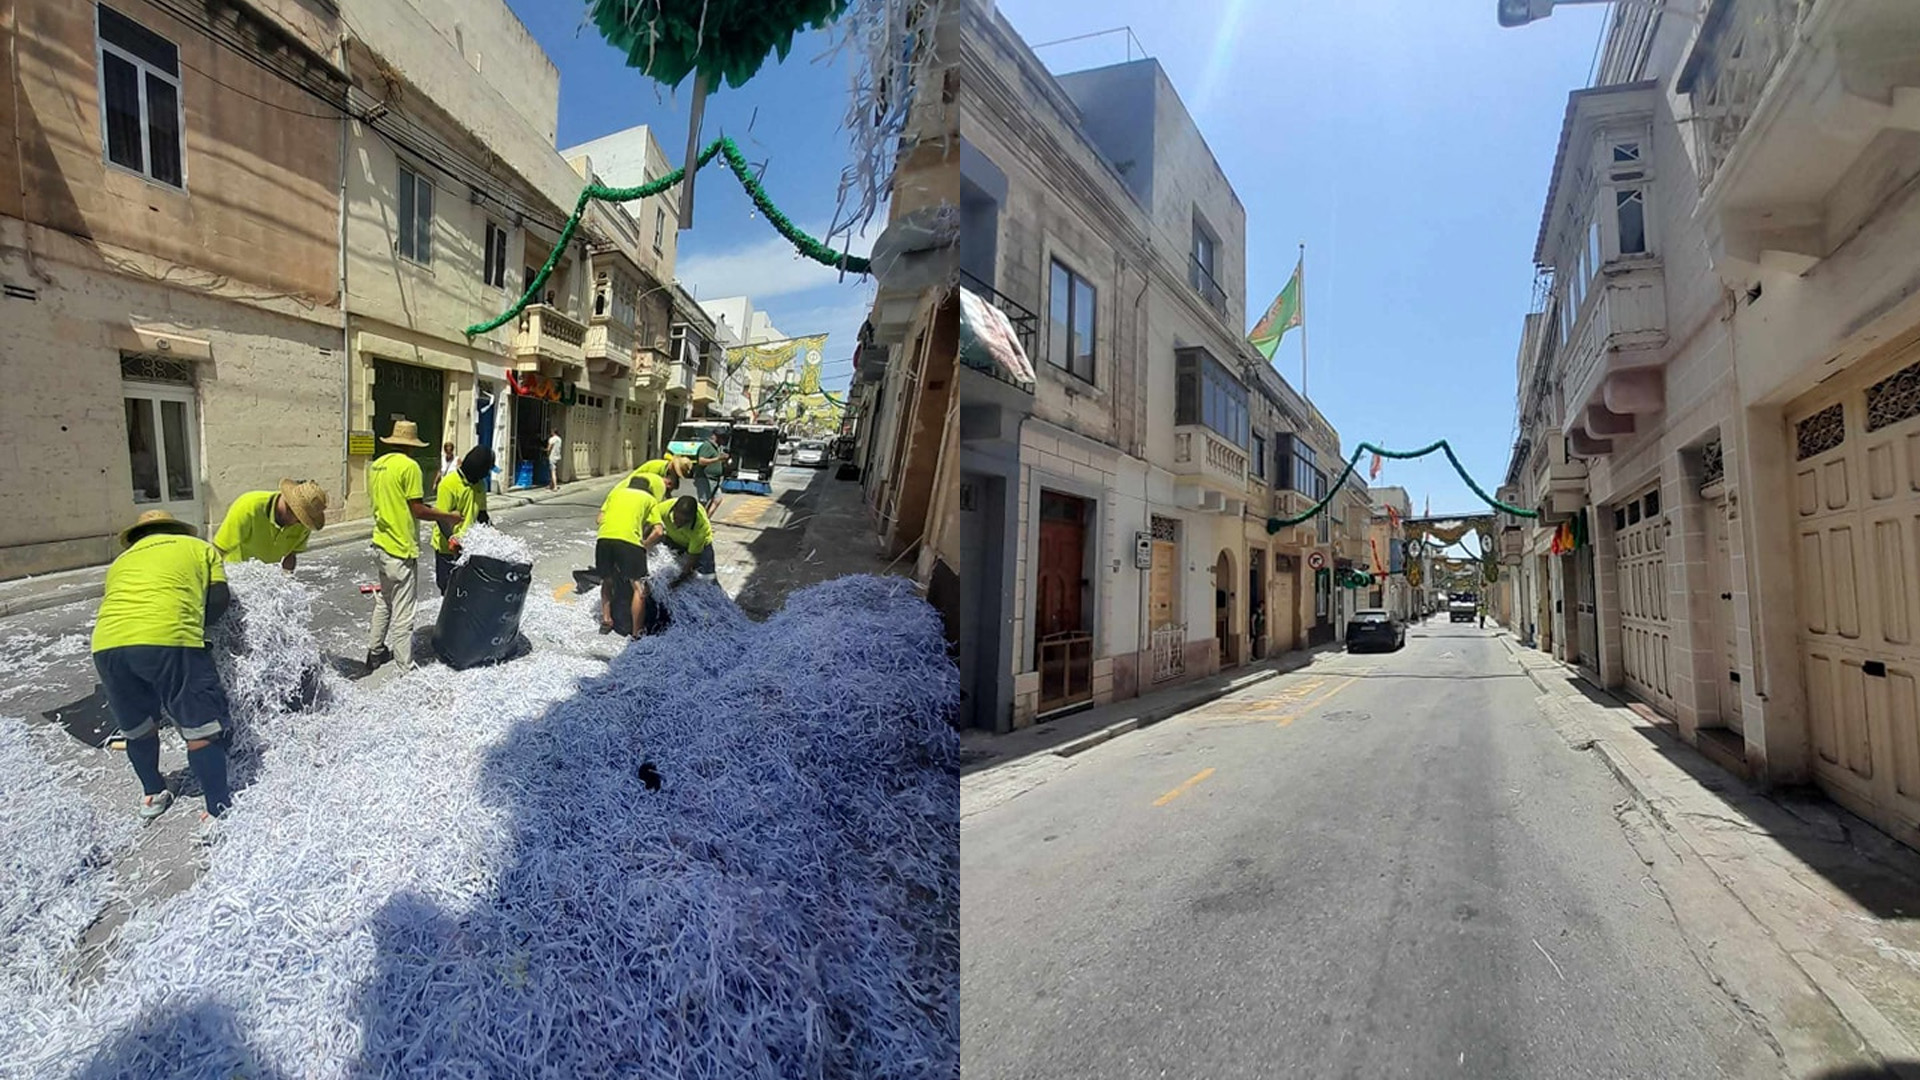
1522	12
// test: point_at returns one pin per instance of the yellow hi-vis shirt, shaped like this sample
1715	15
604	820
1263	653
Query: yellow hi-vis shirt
656	467
393	481
694	537
625	514
455	496
249	531
157	593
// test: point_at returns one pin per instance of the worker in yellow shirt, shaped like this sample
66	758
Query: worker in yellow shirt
619	555
399	501
665	473
149	646
682	526
463	493
272	526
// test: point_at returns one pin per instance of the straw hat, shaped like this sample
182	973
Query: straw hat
154	521
405	433
683	466
307	500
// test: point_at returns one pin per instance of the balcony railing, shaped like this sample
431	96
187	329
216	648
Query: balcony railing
609	345
545	336
1739	50
1026	325
1624	328
1200	452
705	390
1204	284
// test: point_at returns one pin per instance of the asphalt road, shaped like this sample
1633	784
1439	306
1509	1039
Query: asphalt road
1379	866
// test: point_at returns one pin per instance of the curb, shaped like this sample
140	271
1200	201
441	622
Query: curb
1171	710
347	532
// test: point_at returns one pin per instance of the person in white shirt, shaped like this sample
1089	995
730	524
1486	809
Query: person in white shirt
448	463
553	460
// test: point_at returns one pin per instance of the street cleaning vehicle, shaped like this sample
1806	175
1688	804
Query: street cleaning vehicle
691	433
1462	607
753	447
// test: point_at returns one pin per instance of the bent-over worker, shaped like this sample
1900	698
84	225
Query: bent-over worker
683	526
150	648
461	493
272	526
393	482
619	555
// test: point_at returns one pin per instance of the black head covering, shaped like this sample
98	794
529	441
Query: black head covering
477	464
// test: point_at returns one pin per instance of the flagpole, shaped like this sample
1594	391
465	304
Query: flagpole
1303	318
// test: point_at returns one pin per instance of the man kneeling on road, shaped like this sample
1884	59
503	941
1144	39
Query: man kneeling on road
150	648
683	526
462	493
663	475
619	555
272	526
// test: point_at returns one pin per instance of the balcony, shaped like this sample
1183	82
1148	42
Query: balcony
705	391
1026	325
1561	484
1203	283
1787	96
1612	368
549	343
651	365
609	346
1211	472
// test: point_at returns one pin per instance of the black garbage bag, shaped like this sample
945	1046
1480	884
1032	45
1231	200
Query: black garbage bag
654	615
480	618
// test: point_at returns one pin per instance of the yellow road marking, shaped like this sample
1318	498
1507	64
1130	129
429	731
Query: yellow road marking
1182	789
1317	702
560	591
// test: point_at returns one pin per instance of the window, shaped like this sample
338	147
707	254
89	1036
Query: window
1259	455
1070	330
623	297
140	99
1631	213
416	216
1653	504
494	272
1206	393
659	230
1202	272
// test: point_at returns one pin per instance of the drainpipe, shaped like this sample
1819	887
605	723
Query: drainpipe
346	334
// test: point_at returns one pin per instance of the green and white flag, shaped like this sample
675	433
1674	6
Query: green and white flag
1282	315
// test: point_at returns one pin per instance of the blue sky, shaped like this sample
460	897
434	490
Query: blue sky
788	116
1408	144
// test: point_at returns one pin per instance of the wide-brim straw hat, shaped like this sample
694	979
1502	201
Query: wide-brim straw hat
683	466
405	433
154	521
307	500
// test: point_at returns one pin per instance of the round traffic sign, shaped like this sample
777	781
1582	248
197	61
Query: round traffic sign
1317	561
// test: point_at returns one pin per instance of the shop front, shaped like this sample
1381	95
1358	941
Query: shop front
540	407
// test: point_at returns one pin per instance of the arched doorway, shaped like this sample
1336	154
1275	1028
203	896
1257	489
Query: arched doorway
1223	601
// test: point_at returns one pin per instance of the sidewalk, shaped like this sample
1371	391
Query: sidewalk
997	768
1807	915
22	595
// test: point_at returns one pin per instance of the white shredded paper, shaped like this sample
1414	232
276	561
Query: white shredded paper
468	874
489	542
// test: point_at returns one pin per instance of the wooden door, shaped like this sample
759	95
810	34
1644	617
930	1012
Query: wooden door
1720	581
1063	547
1160	585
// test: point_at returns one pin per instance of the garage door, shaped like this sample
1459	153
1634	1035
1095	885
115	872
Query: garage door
1640	538
1856	490
406	392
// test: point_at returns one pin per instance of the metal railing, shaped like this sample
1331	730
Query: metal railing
1169	644
1749	39
1205	285
1026	325
1066	670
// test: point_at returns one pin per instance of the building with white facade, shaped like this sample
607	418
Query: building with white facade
1723	388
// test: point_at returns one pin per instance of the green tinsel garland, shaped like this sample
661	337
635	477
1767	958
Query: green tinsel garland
806	245
1275	524
723	39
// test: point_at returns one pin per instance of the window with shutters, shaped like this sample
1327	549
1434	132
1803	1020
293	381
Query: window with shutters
140	113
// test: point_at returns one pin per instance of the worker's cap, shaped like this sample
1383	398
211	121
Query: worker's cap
307	500
154	521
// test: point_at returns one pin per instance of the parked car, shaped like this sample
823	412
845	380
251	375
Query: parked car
1375	629
811	454
1463	607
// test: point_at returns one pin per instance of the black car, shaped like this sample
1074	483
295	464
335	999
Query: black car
1375	630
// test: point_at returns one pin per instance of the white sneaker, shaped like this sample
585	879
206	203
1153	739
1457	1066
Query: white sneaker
152	806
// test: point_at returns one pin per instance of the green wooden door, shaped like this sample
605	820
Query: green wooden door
406	392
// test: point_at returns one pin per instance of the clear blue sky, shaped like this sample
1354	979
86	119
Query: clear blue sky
788	116
1408	143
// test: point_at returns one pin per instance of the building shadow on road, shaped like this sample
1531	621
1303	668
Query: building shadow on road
1868	866
825	533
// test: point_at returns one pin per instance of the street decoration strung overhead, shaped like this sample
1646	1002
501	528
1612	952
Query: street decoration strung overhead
1275	524
737	162
775	355
1449	530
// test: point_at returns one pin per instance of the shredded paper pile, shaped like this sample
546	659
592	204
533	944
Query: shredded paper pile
731	851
